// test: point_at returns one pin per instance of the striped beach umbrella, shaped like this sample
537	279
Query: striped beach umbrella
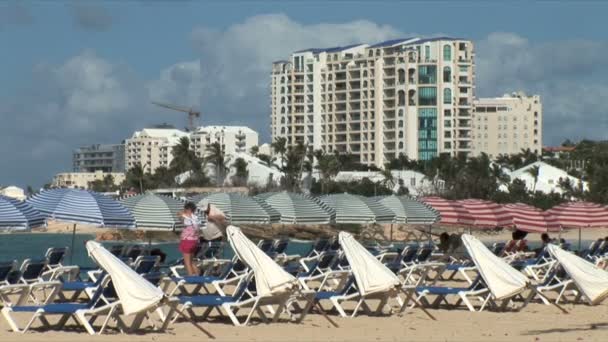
155	211
451	212
409	211
82	206
238	208
531	219
357	209
486	214
580	215
297	208
18	215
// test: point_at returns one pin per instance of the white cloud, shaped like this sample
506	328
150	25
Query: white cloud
569	75
236	62
180	84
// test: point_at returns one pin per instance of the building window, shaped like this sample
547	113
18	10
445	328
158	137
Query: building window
427	52
427	74
447	74
447	96
447	53
427	96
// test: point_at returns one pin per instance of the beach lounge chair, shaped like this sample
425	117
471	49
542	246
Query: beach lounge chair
197	283
558	281
590	280
372	280
79	311
11	293
464	294
146	263
504	283
32	270
55	256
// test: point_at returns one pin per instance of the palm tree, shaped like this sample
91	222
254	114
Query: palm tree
389	181
136	175
328	166
184	157
241	172
254	150
215	155
534	171
528	156
280	147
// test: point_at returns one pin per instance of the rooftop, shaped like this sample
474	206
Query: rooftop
330	49
235	129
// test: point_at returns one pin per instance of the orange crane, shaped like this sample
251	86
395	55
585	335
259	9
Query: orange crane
192	114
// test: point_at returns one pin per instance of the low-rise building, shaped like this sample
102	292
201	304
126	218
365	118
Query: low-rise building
416	183
548	179
507	124
82	180
99	157
152	148
233	139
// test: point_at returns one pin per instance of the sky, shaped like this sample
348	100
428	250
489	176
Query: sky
84	72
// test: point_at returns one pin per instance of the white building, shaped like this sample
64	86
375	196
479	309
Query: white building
416	183
13	192
412	96
507	124
152	148
82	180
234	139
548	178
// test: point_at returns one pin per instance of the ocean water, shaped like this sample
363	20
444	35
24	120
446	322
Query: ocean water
20	246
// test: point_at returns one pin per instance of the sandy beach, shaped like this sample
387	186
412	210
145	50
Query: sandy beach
536	322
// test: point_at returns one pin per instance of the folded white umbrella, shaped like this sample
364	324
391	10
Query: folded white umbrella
136	294
269	276
370	274
502	279
590	279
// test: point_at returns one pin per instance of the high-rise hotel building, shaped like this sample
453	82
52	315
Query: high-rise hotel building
412	96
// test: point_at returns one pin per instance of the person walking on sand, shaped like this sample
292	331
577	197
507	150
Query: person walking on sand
216	225
188	244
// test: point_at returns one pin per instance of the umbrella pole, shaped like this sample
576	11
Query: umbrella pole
391	233
72	246
430	237
579	239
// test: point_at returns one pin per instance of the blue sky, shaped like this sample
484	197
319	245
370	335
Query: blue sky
84	72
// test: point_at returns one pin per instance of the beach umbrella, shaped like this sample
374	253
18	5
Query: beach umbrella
238	208
407	210
451	212
297	208
531	219
19	215
82	206
502	279
590	279
269	276
356	209
136	294
486	214
580	215
155	211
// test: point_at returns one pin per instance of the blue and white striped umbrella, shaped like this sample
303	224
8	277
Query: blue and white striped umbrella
297	208
155	211
82	206
357	209
239	208
408	210
18	215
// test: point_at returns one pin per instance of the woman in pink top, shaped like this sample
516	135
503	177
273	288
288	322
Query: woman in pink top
188	244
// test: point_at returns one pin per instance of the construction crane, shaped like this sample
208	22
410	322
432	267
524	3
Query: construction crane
192	114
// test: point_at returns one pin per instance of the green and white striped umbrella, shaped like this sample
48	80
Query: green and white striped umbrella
155	211
357	209
297	208
408	210
239	208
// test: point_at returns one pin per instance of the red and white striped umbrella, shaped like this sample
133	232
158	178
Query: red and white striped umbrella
531	219
580	215
451	211
486	214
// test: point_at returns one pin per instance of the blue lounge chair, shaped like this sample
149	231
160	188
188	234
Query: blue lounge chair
80	311
55	256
